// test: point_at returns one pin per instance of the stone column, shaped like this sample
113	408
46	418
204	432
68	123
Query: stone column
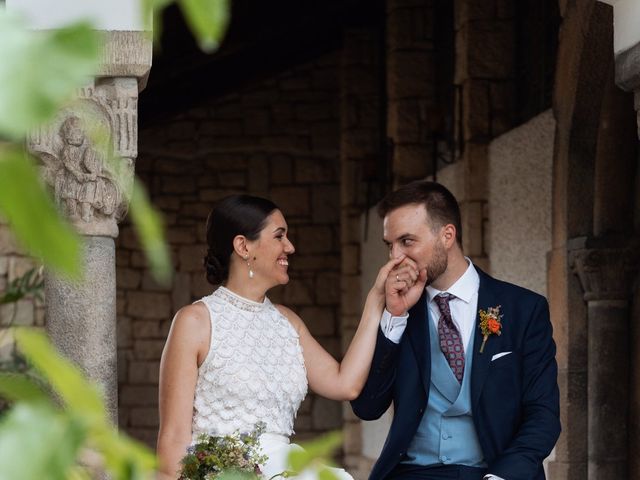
91	190
607	276
627	65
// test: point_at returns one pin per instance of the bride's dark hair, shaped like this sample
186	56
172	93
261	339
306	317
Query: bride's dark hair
234	215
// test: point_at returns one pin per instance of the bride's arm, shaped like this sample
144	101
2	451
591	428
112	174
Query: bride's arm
186	347
344	380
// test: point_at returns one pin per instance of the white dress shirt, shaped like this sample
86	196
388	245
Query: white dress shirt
463	313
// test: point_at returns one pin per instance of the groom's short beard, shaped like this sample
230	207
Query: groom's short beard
438	264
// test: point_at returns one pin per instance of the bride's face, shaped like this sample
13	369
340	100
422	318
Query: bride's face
268	255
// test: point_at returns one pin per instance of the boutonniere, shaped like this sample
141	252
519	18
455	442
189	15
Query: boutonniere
490	323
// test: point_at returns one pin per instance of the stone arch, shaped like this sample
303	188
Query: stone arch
584	96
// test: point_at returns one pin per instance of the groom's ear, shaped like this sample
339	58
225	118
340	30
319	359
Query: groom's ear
449	235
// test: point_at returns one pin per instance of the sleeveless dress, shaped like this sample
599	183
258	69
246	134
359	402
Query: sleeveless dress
254	372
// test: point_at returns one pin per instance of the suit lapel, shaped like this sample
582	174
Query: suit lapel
482	361
418	330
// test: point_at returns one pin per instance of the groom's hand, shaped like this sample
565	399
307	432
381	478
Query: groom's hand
404	286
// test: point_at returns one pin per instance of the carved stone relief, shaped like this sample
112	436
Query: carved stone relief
606	273
91	183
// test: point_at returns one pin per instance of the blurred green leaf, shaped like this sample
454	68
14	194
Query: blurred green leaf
146	220
78	394
149	228
123	457
236	475
32	215
40	70
38	442
78	473
20	387
208	20
315	452
327	474
152	14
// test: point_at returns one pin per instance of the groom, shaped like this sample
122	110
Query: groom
468	362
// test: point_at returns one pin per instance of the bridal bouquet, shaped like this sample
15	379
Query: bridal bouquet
212	455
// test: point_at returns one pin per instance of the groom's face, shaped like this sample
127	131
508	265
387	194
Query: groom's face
408	231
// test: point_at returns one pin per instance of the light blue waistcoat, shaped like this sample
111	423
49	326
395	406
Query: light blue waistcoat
446	434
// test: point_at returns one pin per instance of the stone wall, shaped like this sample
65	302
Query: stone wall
485	74
25	312
277	138
411	67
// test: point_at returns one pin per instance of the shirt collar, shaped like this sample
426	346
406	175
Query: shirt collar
464	288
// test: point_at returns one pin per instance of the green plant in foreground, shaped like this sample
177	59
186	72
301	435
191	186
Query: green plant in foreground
39	73
61	430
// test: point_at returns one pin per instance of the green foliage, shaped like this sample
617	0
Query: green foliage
37	442
29	284
149	227
208	19
66	437
65	378
315	455
39	71
32	214
22	388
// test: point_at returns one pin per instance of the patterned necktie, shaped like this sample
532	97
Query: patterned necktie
450	341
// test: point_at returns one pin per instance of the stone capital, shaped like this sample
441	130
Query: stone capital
126	54
91	184
606	273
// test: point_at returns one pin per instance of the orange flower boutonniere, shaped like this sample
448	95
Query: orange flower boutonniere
490	323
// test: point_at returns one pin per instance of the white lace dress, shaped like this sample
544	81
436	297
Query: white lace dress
254	372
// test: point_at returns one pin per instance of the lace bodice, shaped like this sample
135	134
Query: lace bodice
254	370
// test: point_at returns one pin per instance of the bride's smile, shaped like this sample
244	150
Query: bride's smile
271	247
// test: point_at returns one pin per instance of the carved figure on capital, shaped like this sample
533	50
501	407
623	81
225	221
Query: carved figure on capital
90	183
82	184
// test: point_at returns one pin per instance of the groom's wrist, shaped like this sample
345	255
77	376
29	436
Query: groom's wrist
393	326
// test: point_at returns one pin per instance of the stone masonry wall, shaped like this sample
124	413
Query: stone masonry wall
485	71
25	312
411	68
278	138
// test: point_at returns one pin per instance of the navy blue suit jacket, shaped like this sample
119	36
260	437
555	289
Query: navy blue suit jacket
515	398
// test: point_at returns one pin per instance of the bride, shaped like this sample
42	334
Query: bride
233	358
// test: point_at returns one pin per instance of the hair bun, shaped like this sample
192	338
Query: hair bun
216	273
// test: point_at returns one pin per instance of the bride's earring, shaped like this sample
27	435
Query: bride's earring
246	257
